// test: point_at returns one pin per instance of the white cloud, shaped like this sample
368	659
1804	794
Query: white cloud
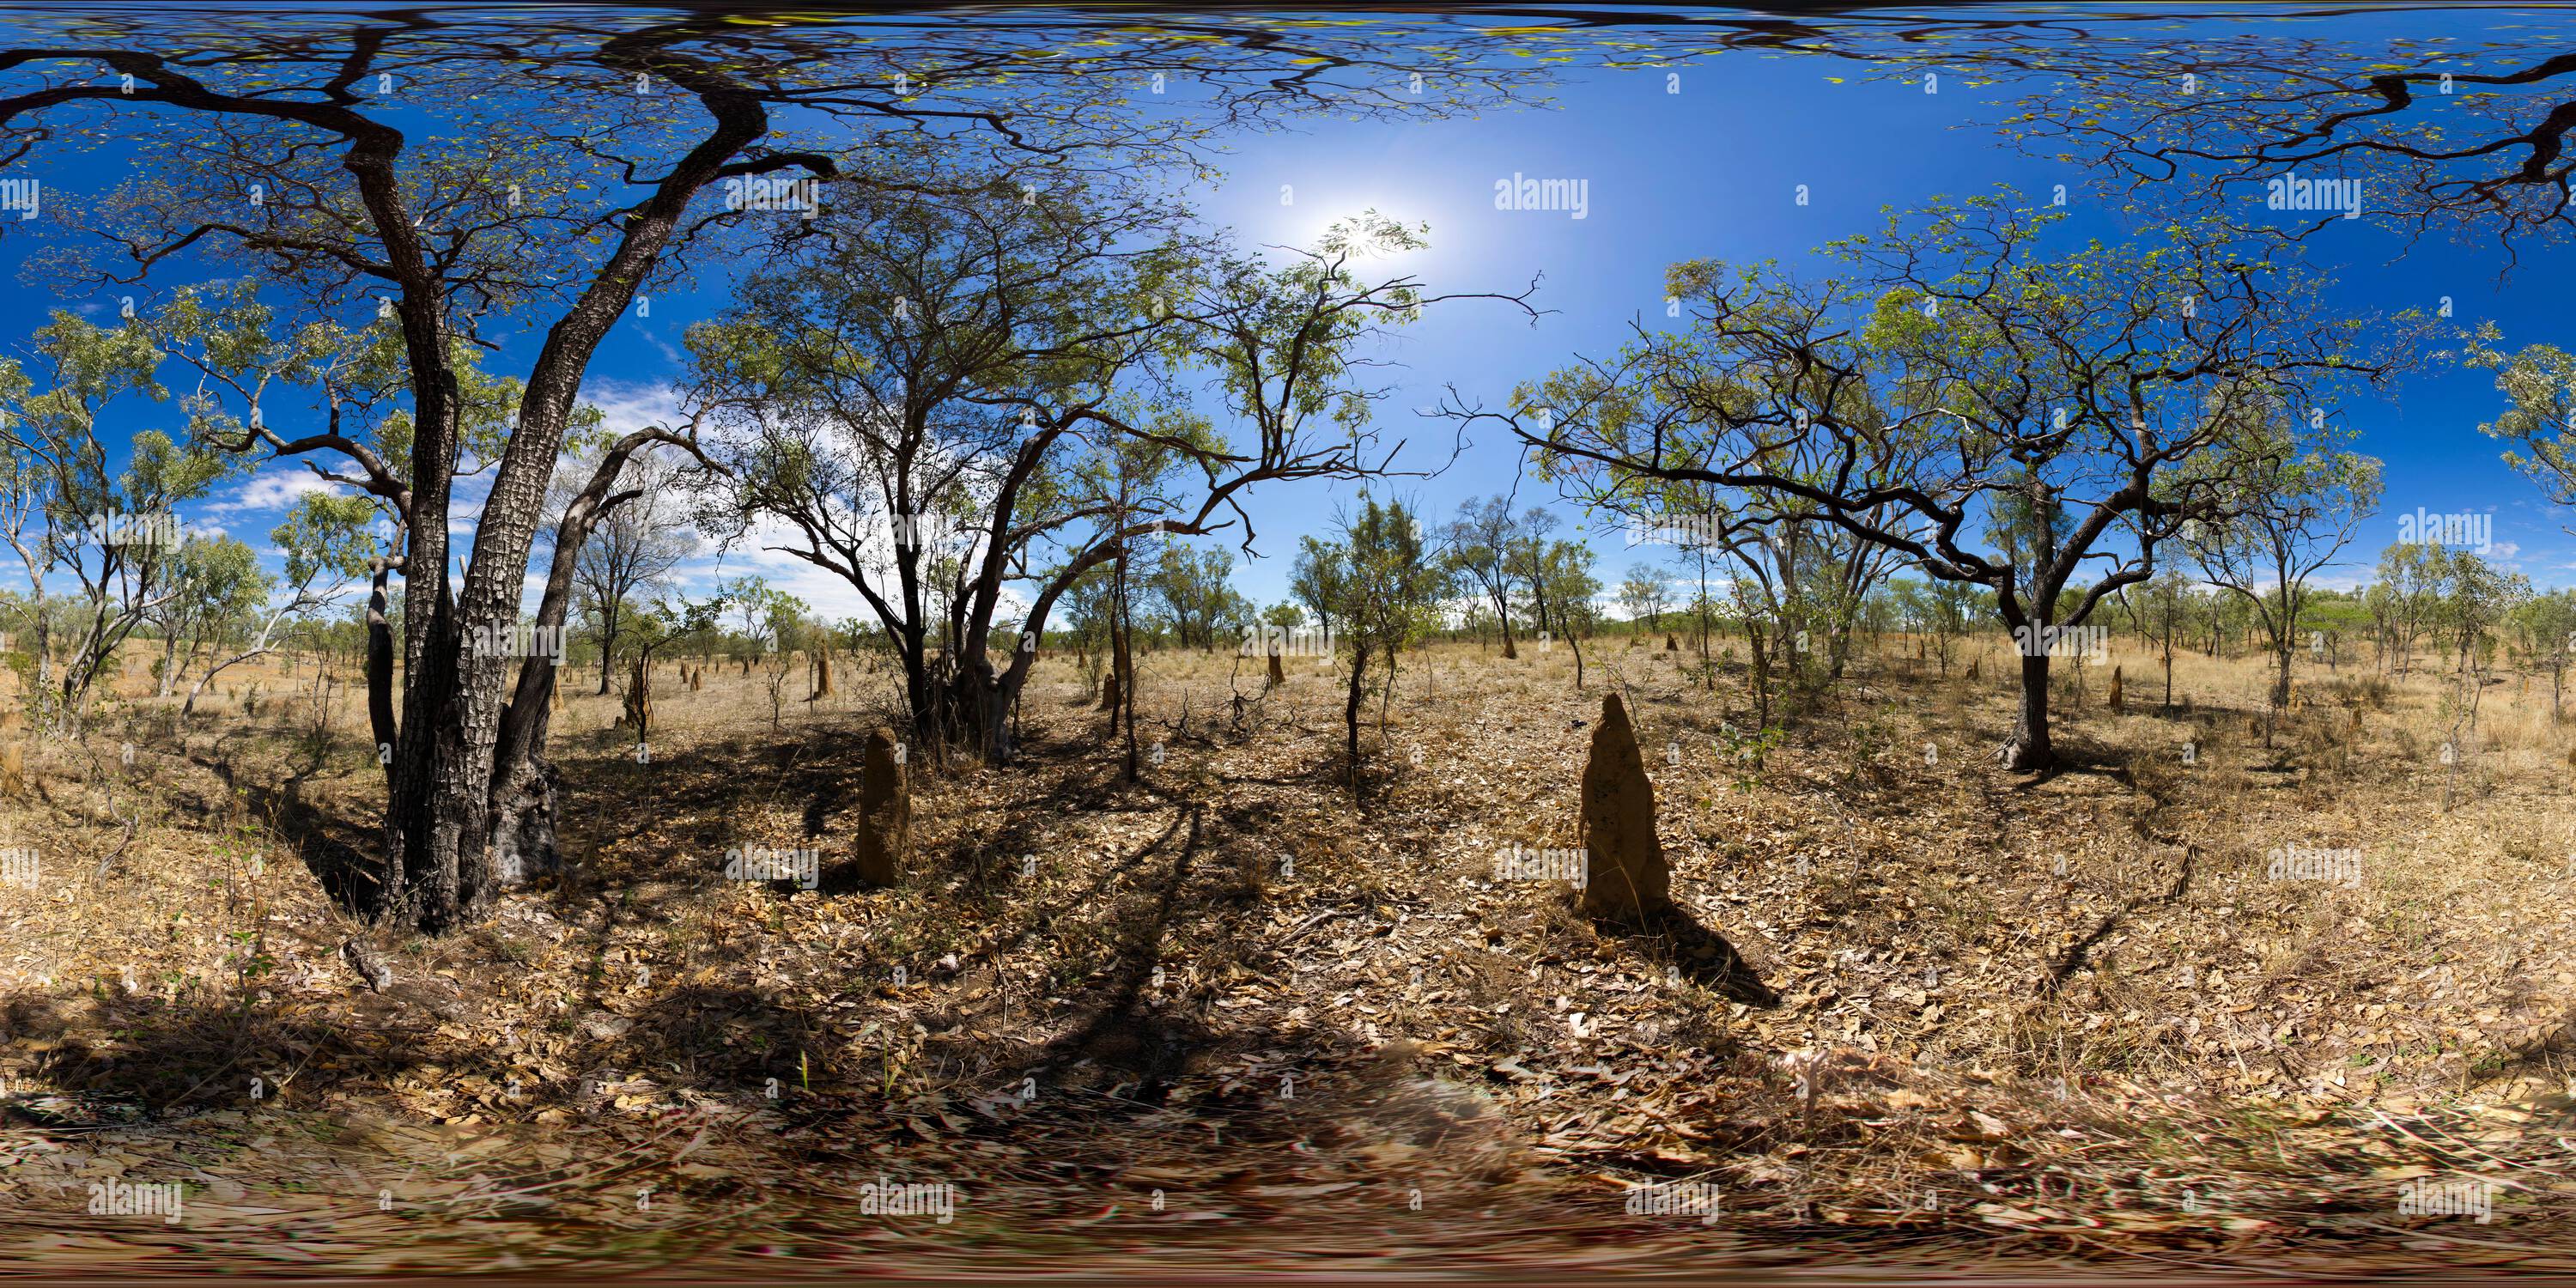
628	406
272	491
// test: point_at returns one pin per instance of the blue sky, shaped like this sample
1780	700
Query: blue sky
1712	171
1708	171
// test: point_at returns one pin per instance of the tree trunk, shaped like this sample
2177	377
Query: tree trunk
380	668
439	863
1759	658
2030	751
1122	674
1126	644
1572	643
1351	710
1709	670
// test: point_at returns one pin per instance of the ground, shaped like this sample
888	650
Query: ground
1920	1010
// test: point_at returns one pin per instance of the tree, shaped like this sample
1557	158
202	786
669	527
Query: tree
2539	416
631	550
218	585
2477	598
2406	598
2201	118
2288	509
2547	622
880	384
1942	610
1480	542
1009	384
514	212
1390	589
326	546
1192	587
1962	367
1316	578
2330	619
22	525
789	633
2165	601
661	624
1559	576
1643	593
115	530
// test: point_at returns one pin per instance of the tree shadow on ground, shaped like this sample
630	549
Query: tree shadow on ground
1121	1031
2076	758
200	1049
2077	955
146	1055
333	848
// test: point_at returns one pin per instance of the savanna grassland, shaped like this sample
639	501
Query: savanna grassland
1229	1016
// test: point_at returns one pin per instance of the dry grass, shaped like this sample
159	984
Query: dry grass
1966	1034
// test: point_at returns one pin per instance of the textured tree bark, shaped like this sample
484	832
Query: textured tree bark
525	785
439	821
2030	750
